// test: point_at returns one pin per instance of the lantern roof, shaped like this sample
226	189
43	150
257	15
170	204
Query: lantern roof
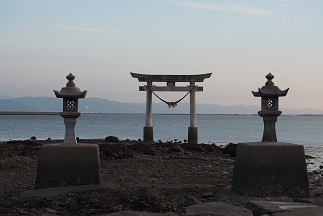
270	89
70	91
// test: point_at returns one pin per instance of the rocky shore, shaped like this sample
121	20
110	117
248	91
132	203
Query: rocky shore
139	178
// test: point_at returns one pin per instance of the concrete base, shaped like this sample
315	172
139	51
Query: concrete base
270	169
148	134
192	135
62	165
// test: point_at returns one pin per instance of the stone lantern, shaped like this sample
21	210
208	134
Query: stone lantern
269	107
270	168
68	164
70	95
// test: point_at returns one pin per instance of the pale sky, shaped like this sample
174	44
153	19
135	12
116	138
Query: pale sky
101	42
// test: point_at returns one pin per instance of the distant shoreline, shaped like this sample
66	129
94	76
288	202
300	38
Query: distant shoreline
125	113
100	105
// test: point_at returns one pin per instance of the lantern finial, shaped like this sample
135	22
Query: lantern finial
269	78
70	78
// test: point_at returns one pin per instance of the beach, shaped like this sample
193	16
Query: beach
161	178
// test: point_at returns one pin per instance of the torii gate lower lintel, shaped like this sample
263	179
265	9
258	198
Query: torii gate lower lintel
170	80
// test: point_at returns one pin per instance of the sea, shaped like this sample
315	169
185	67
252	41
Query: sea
216	129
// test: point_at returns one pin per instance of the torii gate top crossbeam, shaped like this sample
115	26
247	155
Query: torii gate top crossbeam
170	78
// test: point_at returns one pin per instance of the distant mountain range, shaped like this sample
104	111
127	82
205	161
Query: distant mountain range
99	105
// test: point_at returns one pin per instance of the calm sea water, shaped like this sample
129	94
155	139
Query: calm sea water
218	129
306	130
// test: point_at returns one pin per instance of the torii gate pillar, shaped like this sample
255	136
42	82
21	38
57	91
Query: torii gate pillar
148	129
171	80
192	129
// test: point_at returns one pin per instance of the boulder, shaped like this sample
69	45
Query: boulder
278	208
263	207
316	211
190	201
230	149
112	139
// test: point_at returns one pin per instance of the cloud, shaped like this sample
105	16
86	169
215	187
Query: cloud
82	29
103	30
286	3
216	7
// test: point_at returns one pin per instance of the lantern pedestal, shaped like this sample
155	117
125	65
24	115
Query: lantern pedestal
70	122
62	165
269	118
270	169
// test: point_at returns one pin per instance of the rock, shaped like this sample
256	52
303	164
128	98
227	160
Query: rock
293	205
33	138
49	211
190	201
216	209
227	194
21	211
176	148
230	149
272	208
207	194
112	139
317	192
316	211
263	207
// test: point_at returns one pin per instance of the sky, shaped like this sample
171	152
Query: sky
102	41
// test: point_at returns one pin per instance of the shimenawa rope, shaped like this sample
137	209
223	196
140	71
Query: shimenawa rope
171	104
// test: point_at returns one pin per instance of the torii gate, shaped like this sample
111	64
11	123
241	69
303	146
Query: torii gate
170	80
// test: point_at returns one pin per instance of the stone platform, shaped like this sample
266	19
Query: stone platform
270	169
62	165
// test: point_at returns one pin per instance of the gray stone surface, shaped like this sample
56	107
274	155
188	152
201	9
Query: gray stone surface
216	209
293	205
62	165
267	169
316	211
266	207
263	207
